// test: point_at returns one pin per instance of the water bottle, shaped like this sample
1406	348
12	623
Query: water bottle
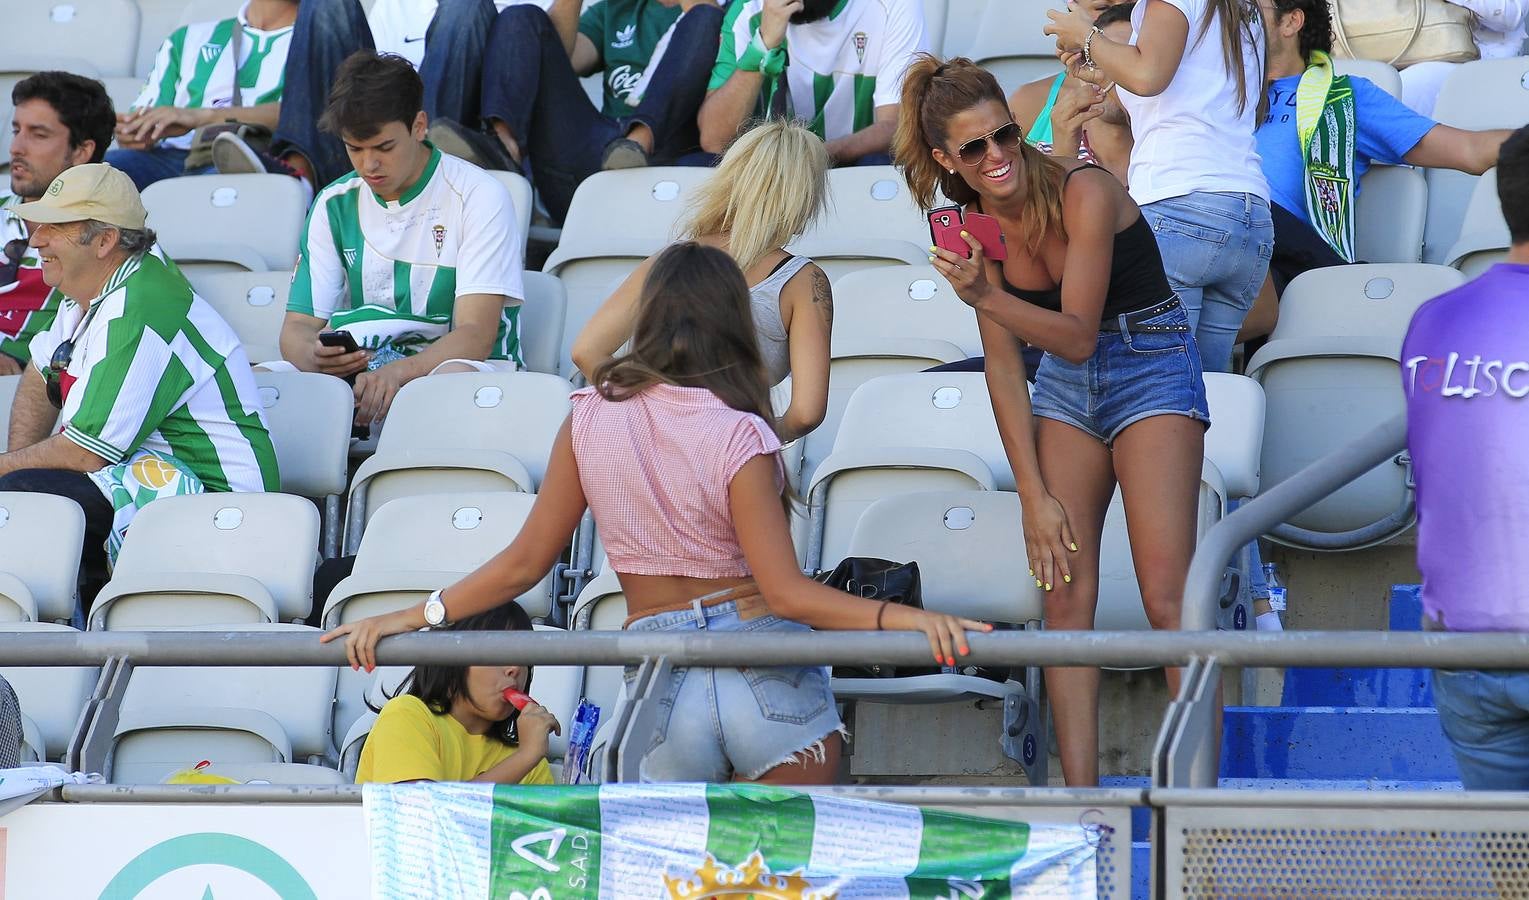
1269	606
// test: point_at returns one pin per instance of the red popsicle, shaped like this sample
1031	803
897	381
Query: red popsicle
517	697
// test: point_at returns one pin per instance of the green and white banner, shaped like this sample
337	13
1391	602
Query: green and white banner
691	841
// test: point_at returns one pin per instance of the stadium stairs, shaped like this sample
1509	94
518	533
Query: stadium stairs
1335	729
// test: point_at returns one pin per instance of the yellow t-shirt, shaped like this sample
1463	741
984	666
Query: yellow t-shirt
411	743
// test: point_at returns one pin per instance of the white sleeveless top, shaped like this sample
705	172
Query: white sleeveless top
764	302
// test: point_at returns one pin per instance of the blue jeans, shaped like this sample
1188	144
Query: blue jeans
329	31
154	164
1131	376
1485	714
1216	250
715	724
529	85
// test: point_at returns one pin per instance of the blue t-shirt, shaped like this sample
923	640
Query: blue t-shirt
1386	130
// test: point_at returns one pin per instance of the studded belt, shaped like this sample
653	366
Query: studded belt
1132	321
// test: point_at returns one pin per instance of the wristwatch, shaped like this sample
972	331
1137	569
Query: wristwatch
435	610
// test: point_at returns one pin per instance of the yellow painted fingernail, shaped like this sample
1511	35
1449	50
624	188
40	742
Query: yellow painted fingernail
933	249
964	234
1032	573
1037	582
1067	579
1073	546
1048	586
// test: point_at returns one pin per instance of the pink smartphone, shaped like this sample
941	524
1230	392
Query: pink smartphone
945	230
947	223
989	234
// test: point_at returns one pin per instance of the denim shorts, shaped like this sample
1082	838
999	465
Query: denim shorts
1485	714
717	724
1130	377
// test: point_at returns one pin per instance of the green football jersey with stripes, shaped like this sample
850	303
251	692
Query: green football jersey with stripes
838	69
155	368
195	68
390	271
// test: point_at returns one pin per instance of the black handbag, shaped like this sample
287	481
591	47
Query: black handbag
878	579
881	579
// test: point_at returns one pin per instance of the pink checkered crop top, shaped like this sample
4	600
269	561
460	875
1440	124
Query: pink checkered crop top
656	468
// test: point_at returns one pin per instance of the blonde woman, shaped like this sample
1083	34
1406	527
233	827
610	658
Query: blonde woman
768	188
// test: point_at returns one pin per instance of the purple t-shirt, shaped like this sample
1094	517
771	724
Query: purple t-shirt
1465	371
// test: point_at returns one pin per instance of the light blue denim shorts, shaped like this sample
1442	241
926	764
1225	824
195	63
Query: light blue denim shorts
714	725
1130	377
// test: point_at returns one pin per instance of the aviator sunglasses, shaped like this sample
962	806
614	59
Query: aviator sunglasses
1005	137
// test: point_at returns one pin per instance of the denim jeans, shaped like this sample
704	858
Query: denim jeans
1216	250
1133	374
1485	715
154	164
529	85
717	724
329	31
76	486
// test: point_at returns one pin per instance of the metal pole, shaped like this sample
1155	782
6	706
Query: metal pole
1122	649
1273	507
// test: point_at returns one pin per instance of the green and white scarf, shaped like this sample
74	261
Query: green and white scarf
1324	114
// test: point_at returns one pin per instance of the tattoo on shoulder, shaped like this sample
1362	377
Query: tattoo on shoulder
822	294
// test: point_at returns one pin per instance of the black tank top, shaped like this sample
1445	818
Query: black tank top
1136	271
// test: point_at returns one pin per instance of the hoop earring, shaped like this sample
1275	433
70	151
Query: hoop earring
951	171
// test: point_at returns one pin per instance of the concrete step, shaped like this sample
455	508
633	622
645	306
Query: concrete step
1394	688
1141	870
1335	784
1372	688
1327	743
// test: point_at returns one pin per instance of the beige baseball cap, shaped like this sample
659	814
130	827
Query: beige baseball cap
92	191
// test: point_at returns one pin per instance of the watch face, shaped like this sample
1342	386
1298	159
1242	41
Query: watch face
435	610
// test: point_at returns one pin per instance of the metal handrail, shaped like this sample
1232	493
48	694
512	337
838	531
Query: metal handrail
1504	650
1274	507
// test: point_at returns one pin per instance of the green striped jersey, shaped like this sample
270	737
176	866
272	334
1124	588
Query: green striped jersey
193	71
156	368
27	305
389	272
839	69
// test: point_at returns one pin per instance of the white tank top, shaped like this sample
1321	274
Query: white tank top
764	301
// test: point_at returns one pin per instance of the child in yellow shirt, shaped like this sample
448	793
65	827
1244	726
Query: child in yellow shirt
452	723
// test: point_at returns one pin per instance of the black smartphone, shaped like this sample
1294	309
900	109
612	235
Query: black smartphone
343	339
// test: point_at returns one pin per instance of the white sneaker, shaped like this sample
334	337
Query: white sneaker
232	156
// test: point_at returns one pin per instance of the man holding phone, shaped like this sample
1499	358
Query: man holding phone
411	264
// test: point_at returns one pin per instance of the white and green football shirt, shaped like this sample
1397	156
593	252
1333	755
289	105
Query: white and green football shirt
27	304
155	368
390	272
194	71
838	69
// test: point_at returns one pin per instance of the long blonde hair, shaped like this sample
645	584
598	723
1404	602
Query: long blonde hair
766	191
933	93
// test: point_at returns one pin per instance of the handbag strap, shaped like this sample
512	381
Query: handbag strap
1340	35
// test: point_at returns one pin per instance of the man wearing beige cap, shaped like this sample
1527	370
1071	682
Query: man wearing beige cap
151	387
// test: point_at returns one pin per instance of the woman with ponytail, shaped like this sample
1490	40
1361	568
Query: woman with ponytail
1119	396
1192	79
